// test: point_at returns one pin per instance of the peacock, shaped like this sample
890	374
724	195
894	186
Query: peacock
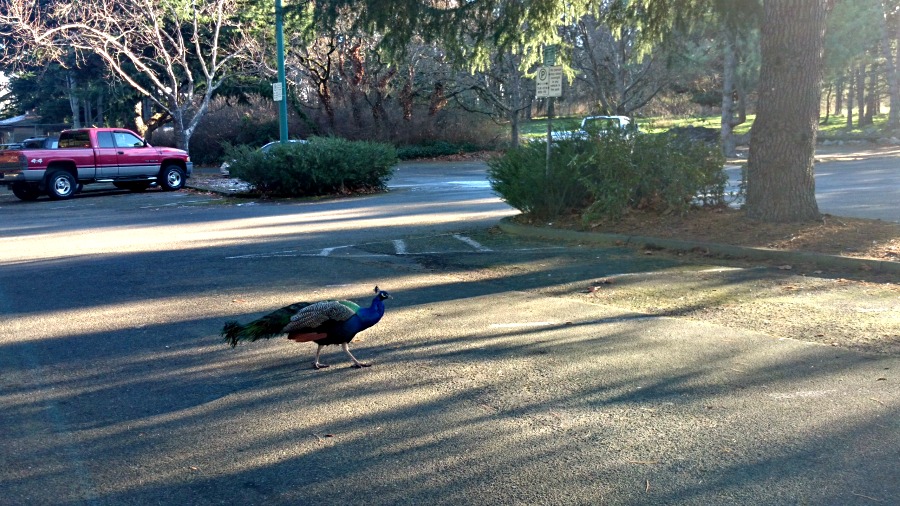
325	322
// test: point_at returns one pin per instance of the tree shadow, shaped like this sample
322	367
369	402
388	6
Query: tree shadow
115	388
582	411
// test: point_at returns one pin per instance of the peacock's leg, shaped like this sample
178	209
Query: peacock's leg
356	363
316	363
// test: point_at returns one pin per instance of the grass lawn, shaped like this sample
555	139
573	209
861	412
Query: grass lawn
835	128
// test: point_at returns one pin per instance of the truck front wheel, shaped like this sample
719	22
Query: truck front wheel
26	191
171	177
61	185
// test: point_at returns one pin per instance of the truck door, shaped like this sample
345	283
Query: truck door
106	156
136	158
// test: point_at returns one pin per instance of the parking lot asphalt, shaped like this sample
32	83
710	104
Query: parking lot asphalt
488	388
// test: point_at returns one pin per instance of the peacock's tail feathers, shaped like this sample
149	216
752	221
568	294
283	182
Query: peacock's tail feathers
230	332
265	327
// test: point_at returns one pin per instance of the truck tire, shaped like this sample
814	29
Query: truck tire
61	185
171	177
26	192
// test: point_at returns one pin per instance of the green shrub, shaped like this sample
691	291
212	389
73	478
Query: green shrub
522	178
607	176
607	171
323	166
658	172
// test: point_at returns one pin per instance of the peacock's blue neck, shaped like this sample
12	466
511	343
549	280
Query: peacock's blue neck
370	315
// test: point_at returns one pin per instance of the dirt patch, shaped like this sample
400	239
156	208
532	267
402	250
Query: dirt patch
856	310
832	235
807	306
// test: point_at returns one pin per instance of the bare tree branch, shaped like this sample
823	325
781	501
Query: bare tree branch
155	46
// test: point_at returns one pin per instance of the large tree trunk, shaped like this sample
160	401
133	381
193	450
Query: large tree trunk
73	100
871	94
181	140
780	183
861	94
734	106
850	88
729	66
515	104
827	105
890	71
839	94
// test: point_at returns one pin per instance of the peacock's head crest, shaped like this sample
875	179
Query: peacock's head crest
381	294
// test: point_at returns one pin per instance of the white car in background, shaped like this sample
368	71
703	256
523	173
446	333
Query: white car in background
224	168
597	125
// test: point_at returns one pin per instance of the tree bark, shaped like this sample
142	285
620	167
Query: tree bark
780	182
181	140
839	94
729	66
861	94
850	98
73	101
871	94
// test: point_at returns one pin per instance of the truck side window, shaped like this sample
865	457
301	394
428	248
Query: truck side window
105	140
128	140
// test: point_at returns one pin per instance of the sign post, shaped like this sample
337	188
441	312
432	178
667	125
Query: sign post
279	95
548	84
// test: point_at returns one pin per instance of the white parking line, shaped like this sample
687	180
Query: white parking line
294	254
472	242
401	248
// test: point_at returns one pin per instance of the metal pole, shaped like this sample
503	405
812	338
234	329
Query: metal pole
549	61
279	44
549	133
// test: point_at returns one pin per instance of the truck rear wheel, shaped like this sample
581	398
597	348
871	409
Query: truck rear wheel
61	185
171	177
25	191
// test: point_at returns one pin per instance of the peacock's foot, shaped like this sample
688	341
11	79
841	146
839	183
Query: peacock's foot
359	365
318	365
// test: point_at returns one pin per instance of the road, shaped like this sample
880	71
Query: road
857	182
862	183
488	387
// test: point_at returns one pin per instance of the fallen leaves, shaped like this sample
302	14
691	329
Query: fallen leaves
598	284
853	237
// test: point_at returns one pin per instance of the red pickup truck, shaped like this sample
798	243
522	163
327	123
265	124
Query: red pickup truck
93	155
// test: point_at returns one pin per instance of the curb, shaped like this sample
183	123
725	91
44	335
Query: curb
224	192
724	250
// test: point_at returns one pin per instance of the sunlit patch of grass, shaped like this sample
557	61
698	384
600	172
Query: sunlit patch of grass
537	127
836	127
